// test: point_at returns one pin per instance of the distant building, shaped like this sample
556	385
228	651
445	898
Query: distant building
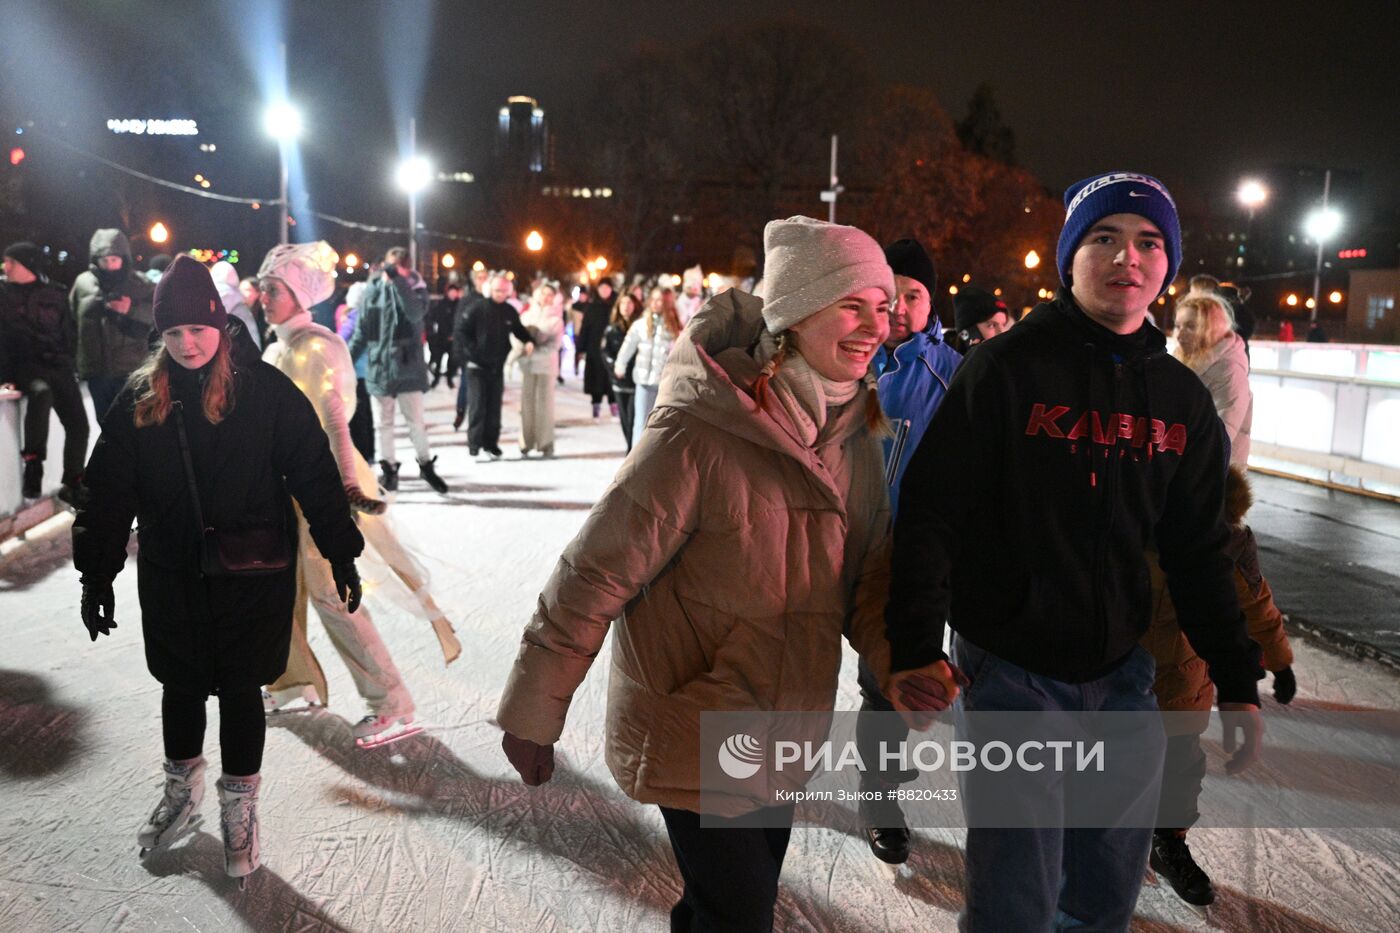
522	137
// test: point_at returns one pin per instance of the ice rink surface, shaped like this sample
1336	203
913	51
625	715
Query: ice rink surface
436	832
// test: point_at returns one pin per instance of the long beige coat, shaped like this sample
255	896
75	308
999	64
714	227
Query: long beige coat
731	556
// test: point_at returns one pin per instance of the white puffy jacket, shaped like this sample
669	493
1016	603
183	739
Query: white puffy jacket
651	352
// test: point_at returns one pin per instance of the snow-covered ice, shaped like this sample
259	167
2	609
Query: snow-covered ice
436	832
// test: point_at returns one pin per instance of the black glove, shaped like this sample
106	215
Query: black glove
98	607
1285	685
347	584
534	763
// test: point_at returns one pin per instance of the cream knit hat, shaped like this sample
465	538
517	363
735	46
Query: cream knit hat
307	268
810	264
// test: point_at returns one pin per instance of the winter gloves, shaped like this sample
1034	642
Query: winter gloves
534	762
347	583
1285	685
98	607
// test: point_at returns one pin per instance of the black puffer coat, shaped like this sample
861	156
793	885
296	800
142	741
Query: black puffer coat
201	633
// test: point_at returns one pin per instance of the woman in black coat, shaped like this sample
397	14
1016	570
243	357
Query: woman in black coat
596	381
251	437
624	312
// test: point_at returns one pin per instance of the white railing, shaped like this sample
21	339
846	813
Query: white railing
1328	411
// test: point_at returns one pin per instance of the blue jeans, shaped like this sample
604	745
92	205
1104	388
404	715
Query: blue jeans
645	402
1057	878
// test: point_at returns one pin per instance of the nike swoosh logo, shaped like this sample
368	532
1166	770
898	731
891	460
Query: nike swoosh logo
1138	194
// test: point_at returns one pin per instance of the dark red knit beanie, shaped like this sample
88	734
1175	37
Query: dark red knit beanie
186	296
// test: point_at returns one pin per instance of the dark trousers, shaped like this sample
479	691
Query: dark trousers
730	872
872	731
625	398
242	727
362	424
1183	770
488	387
58	392
104	391
440	364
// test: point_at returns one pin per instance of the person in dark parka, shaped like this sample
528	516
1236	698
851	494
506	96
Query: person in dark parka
597	381
253	437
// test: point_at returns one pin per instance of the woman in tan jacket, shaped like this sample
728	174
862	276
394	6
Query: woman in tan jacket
747	530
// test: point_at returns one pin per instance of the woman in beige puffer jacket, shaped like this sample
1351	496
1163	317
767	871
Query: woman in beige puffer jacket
746	532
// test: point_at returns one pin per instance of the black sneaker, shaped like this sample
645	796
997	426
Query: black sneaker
1171	858
425	470
389	475
33	477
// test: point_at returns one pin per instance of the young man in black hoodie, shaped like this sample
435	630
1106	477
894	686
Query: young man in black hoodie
1074	440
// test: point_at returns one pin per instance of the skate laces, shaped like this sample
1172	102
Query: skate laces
238	813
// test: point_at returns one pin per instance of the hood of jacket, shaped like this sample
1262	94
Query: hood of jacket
110	241
1063	318
711	372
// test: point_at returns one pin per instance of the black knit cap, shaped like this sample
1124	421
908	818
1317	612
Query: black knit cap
909	258
973	305
27	255
186	296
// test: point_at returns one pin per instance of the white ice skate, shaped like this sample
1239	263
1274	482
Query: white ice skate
184	791
238	818
376	730
291	700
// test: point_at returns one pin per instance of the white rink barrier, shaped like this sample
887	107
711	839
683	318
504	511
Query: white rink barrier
1327	411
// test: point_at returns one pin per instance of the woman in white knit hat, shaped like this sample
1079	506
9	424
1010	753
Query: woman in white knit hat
747	530
293	278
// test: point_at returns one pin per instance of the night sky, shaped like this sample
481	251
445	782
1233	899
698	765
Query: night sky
1197	93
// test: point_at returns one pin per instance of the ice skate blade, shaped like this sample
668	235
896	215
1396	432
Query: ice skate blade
387	738
285	711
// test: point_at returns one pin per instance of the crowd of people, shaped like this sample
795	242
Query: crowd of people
1065	492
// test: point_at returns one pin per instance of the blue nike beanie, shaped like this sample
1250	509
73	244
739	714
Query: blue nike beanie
1099	196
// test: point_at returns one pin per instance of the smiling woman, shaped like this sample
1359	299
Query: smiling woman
755	496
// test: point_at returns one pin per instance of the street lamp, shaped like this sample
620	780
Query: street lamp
159	233
448	261
1251	194
351	261
1321	225
534	242
282	121
601	263
1032	259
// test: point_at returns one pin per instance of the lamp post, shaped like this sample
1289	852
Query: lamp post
414	174
1321	225
283	123
1251	194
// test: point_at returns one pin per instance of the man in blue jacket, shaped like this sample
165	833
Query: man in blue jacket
913	370
1073	441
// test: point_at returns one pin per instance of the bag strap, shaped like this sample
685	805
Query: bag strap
189	464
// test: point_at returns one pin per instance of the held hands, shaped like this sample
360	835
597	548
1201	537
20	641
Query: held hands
360	502
535	763
1245	718
920	693
98	608
347	584
1285	685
